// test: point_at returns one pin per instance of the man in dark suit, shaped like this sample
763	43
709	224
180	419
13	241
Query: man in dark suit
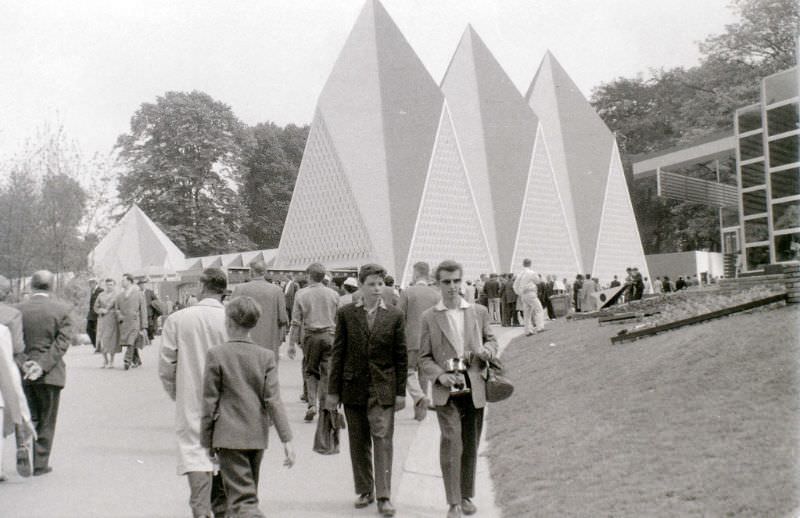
271	327
456	329
508	299
47	329
368	372
91	318
153	306
492	289
414	301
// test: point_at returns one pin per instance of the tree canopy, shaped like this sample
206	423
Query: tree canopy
182	159
678	105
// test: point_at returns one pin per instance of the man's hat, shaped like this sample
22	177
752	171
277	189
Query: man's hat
350	281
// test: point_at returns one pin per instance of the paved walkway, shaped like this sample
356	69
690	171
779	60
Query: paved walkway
114	456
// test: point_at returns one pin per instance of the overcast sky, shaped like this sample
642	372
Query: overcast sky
90	64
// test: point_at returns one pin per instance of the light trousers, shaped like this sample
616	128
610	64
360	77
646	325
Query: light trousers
532	312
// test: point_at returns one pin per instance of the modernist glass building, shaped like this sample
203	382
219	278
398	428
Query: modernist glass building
768	165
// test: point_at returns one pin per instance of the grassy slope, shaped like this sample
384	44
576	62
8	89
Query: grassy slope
698	421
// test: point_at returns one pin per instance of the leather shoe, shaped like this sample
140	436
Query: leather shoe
310	413
454	511
467	507
385	507
363	500
42	471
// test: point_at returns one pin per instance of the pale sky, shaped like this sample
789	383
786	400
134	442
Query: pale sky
91	64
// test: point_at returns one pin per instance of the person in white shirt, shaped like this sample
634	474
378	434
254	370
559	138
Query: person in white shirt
525	288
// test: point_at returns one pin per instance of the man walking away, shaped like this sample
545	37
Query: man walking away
187	336
492	288
47	331
456	329
526	289
414	301
270	330
369	366
315	312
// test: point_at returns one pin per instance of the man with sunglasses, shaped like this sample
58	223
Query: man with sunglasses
456	329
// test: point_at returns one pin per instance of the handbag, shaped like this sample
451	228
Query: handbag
498	386
326	438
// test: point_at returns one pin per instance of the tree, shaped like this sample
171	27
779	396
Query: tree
182	159
19	218
679	105
271	162
61	209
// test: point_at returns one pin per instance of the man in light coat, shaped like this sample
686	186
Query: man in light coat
451	329
271	327
187	336
525	286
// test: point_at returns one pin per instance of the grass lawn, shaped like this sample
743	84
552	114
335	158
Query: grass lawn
701	421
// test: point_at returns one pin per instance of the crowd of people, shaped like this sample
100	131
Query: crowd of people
366	346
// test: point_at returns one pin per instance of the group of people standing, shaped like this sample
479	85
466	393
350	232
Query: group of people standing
363	353
123	318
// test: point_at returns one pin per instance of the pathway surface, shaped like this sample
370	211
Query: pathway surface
114	456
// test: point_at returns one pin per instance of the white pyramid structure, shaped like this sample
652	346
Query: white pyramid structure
496	131
619	244
544	233
449	225
135	244
583	155
373	133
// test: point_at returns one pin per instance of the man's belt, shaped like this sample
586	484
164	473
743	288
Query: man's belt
319	330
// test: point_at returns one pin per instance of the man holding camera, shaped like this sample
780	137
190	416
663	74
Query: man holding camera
456	343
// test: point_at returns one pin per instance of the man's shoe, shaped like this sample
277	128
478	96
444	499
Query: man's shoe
454	511
127	365
363	500
385	507
42	471
467	507
310	413
24	451
304	398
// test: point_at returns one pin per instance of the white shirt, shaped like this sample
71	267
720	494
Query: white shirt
456	319
526	281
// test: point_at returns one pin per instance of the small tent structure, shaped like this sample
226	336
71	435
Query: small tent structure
136	245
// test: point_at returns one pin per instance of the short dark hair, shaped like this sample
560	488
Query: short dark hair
129	277
214	280
422	268
371	269
316	271
526	262
110	280
447	265
243	311
389	280
258	267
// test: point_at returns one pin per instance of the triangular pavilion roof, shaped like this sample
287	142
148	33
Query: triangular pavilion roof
580	145
496	129
136	244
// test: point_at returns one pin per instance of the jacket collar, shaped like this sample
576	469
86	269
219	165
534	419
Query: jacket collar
214	303
381	303
441	307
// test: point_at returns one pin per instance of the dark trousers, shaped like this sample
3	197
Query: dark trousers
132	355
369	427
240	470
317	350
511	313
206	494
551	314
43	403
461	424
91	330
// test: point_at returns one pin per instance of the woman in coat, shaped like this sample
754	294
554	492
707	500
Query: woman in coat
107	327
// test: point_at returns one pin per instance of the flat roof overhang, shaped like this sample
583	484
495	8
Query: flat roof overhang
716	146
